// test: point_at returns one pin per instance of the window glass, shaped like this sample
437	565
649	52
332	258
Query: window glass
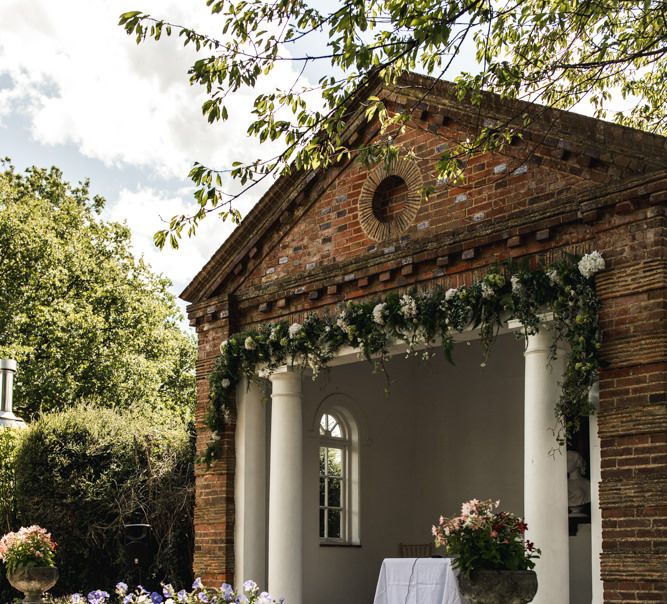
333	452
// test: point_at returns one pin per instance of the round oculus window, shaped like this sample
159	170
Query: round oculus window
390	199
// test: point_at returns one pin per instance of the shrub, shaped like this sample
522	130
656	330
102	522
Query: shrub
86	472
9	438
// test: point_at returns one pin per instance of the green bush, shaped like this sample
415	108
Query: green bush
9	438
86	472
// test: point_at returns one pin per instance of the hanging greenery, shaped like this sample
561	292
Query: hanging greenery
421	319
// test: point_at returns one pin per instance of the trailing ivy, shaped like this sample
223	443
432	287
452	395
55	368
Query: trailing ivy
423	318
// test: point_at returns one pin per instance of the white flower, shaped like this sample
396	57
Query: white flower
420	335
341	322
408	307
487	291
249	343
591	263
275	333
294	330
378	313
517	286
223	346
226	383
450	293
554	277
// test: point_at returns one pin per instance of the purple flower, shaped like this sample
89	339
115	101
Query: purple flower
227	591
202	596
121	588
128	598
197	584
75	599
168	591
156	598
250	586
98	597
182	596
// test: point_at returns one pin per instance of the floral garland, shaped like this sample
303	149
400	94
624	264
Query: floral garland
565	288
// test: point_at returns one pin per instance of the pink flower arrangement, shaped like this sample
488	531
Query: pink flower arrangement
482	538
31	546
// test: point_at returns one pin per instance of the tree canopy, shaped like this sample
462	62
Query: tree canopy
559	53
84	318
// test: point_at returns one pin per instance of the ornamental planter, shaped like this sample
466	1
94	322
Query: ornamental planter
499	586
33	581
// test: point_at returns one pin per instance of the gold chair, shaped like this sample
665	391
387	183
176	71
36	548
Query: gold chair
415	550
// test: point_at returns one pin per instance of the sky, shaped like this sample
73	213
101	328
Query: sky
78	93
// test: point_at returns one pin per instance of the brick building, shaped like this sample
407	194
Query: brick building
442	434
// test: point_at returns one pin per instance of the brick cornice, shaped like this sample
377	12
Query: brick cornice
568	210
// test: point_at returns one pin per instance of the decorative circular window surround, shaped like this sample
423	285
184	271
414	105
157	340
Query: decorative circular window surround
376	228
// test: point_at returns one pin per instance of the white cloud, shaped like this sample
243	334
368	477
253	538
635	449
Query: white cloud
81	80
145	210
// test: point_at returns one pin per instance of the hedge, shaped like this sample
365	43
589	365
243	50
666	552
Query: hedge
86	472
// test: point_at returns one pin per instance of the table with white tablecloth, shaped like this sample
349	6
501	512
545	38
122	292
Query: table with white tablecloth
417	581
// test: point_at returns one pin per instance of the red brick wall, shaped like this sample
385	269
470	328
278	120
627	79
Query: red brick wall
214	494
316	256
329	232
633	407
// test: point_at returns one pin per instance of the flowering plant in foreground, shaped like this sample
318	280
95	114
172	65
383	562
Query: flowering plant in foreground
31	546
225	594
484	539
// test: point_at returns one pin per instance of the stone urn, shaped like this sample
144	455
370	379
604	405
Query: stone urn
499	586
33	581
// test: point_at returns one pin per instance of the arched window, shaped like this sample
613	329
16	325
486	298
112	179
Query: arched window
339	483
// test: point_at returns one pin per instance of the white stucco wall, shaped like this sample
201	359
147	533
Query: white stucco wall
580	566
442	435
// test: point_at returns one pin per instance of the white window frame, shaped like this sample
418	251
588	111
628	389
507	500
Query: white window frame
349	447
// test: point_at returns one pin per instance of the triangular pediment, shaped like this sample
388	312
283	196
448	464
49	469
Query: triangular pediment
309	220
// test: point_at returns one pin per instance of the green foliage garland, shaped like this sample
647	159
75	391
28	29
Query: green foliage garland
566	289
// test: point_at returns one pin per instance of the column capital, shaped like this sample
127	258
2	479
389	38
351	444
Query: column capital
542	341
286	380
286	370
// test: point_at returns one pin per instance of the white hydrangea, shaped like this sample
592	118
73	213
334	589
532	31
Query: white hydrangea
249	343
294	330
408	307
378	313
591	263
275	333
517	286
487	291
226	383
450	293
342	323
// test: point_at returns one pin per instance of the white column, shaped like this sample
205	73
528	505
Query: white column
596	514
286	487
545	472
250	485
